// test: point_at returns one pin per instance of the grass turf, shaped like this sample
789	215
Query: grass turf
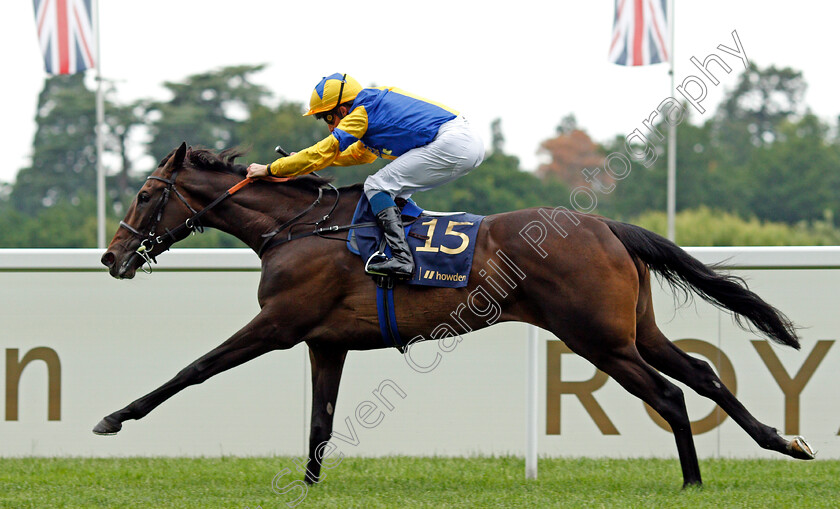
413	482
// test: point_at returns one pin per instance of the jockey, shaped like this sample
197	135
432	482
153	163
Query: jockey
428	145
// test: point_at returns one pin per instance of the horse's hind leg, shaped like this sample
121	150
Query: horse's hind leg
628	368
253	340
665	356
594	312
327	364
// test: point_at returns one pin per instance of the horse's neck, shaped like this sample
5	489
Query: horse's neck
251	213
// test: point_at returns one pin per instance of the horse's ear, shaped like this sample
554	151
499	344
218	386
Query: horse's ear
177	159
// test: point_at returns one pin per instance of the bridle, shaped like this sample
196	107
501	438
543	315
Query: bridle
192	224
148	241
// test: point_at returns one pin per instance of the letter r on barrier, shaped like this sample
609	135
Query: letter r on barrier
556	387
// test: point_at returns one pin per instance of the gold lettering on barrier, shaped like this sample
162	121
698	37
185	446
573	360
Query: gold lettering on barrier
555	387
792	387
726	373
14	369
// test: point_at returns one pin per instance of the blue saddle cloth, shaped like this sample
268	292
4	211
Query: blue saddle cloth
442	244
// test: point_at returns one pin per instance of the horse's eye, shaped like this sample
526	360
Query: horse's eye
143	198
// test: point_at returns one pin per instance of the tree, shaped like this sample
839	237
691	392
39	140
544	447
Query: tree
64	149
762	100
795	178
60	225
760	156
206	110
498	138
643	189
750	114
570	152
567	124
772	159
732	161
701	177
497	185
121	122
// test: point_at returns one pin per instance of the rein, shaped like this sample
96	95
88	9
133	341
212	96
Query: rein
192	223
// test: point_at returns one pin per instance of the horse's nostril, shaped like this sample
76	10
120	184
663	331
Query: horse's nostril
108	259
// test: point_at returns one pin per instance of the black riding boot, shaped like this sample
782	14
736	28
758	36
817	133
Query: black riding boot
401	263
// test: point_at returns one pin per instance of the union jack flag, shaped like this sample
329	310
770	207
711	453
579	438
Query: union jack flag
640	32
65	31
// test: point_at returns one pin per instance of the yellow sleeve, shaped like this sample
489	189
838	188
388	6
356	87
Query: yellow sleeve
356	153
314	158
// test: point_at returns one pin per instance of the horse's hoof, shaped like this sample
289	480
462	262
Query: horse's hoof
107	426
800	449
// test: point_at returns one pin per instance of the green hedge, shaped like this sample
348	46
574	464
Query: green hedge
707	227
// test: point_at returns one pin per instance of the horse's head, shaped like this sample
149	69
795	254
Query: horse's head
153	222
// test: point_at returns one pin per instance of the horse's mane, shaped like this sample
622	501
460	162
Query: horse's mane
224	161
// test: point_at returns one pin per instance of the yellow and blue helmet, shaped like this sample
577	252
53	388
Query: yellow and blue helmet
332	91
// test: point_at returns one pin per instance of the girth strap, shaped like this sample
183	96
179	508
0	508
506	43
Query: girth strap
320	232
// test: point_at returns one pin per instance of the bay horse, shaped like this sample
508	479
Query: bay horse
588	282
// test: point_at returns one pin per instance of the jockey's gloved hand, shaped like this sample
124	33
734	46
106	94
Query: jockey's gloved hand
256	170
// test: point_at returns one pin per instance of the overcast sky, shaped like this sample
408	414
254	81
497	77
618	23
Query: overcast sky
528	62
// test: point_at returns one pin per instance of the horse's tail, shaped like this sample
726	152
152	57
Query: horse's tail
684	272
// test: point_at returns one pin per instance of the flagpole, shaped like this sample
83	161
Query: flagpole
100	137
532	418
672	140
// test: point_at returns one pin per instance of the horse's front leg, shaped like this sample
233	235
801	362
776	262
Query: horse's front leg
256	338
326	363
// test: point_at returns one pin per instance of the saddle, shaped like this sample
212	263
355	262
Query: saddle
442	243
